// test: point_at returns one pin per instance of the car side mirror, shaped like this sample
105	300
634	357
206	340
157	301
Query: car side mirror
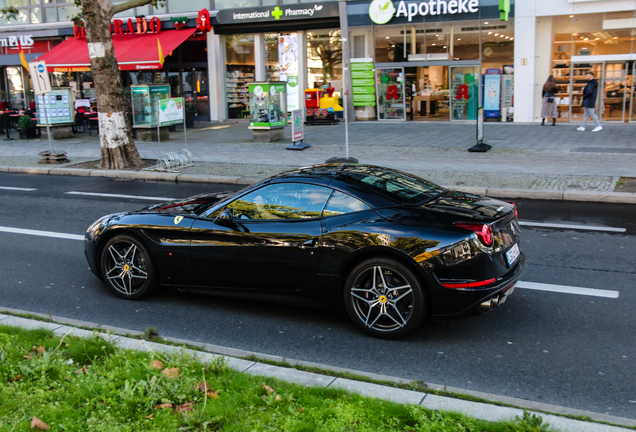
226	217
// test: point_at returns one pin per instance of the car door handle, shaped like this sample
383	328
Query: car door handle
310	244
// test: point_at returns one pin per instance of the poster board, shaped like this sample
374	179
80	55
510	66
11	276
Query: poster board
59	107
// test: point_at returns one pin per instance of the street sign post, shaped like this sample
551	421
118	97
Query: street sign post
42	86
40	78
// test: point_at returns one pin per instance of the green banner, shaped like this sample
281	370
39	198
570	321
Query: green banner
362	74
363	103
363	90
361	66
363	82
363	97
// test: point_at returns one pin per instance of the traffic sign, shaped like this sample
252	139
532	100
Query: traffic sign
40	78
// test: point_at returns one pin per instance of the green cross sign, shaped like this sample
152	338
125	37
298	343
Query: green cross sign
277	12
504	9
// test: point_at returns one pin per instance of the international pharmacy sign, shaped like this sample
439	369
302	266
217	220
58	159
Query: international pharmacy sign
277	13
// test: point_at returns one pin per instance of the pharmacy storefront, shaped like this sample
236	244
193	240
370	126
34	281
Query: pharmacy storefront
298	44
431	60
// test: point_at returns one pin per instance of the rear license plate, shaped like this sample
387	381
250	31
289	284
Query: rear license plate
512	254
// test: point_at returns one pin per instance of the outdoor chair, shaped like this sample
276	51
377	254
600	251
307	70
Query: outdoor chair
93	125
80	122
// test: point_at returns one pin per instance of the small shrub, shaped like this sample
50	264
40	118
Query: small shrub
25	122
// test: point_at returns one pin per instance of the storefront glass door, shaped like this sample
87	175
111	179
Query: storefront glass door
612	92
464	92
390	94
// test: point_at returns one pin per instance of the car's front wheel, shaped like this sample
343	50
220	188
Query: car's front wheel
127	267
384	298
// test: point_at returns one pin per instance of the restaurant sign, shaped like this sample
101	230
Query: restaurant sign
12	41
274	13
140	25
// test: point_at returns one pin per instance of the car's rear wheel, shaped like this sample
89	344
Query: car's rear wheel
127	267
384	298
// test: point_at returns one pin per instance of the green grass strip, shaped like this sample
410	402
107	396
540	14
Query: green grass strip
75	384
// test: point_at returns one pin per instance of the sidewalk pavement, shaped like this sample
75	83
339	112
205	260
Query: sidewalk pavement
526	161
551	414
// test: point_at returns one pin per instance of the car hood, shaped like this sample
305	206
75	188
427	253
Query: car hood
186	205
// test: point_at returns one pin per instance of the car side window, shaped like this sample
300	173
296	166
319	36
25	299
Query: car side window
341	203
282	201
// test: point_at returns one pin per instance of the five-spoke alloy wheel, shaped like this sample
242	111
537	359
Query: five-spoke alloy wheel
384	298
127	267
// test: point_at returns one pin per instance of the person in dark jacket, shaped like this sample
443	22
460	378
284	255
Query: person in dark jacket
589	101
548	105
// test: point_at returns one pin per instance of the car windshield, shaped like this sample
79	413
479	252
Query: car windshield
401	187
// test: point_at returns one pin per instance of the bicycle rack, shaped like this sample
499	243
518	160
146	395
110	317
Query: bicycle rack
173	161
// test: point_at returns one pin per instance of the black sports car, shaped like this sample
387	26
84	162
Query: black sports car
390	248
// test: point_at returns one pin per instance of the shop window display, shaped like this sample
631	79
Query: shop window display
272	65
324	58
497	45
239	72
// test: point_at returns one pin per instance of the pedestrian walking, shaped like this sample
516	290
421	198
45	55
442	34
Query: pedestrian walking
548	104
589	101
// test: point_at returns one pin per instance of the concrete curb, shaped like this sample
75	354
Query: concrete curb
479	410
609	197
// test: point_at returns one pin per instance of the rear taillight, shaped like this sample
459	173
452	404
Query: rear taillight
482	230
475	284
516	212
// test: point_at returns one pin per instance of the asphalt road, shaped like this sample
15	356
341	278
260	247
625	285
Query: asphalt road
567	349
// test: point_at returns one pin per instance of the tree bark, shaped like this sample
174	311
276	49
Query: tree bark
115	132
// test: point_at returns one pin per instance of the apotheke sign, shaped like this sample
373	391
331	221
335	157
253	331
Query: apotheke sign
382	11
273	13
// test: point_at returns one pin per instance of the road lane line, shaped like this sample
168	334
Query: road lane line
158	199
41	233
568	289
17	188
568	226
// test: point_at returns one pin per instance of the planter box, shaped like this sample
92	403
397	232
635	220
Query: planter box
29	133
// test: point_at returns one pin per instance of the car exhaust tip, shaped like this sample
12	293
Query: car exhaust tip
485	306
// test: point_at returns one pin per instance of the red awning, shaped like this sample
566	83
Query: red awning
133	52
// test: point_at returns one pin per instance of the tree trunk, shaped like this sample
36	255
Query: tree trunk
115	133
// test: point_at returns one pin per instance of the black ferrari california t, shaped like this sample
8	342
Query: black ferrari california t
390	248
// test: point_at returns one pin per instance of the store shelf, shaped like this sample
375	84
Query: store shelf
237	78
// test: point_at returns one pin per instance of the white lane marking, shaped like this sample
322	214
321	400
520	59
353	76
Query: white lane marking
568	289
17	188
568	226
41	233
121	196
